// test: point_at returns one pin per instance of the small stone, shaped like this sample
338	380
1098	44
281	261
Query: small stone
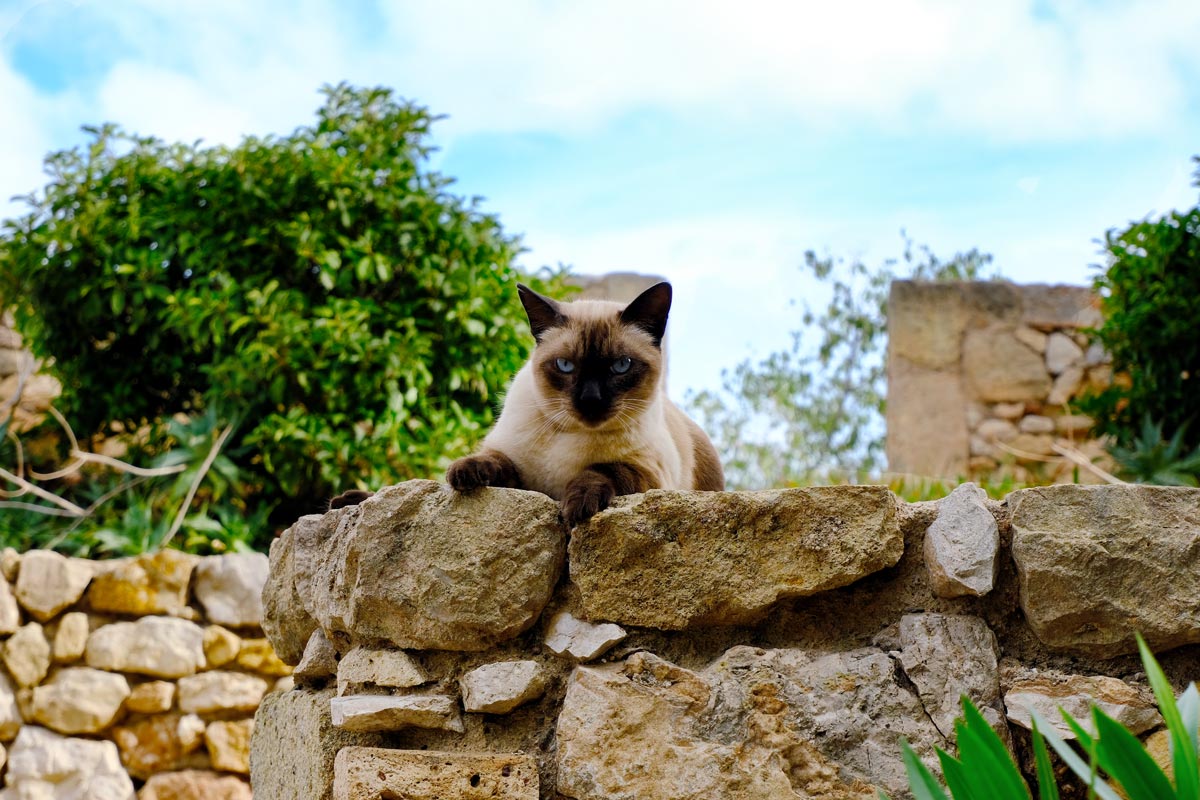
218	691
70	640
1074	423
980	447
49	582
10	613
11	718
319	663
582	641
1061	352
285	684
257	655
1033	339
1046	692
1009	411
1036	423
151	745
499	688
43	765
997	430
1065	387
976	413
230	588
374	712
229	745
1002	369
962	545
1095	355
152	697
80	700
220	646
10	564
190	730
982	465
1033	444
162	647
194	784
152	583
365	666
368	773
27	655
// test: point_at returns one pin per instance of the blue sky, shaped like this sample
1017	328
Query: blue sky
709	142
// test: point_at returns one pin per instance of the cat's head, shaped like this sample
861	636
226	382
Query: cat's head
597	363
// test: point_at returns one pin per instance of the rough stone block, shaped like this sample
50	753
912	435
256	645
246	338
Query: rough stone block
152	697
286	621
70	640
49	582
10	612
1000	368
382	712
27	655
962	545
675	560
152	583
162	647
320	661
1049	307
926	423
79	700
195	784
369	773
230	588
926	322
1047	692
229	745
499	688
74	768
219	691
368	666
582	641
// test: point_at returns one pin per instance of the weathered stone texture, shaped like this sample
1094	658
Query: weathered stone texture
229	745
930	320
10	715
382	712
962	545
153	583
194	784
369	773
49	582
386	570
573	638
319	663
158	744
230	588
10	613
79	700
286	621
27	655
47	766
916	395
1098	563
162	647
1001	368
219	691
676	560
367	666
1047	692
152	697
499	688
70	640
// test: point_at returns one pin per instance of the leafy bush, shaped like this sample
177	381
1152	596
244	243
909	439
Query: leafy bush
984	767
1150	296
326	288
814	411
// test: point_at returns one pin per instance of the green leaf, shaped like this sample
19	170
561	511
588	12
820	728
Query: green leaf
1183	736
959	780
1047	787
981	748
920	780
1072	759
1123	757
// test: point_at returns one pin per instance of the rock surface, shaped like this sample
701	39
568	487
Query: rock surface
230	588
1097	563
10	612
369	773
162	647
195	784
1046	692
678	560
917	394
368	666
80	700
156	744
153	583
579	640
1000	368
70	640
49	582
45	765
1061	352
417	566
220	646
152	697
10	715
499	688
381	712
27	655
256	655
962	545
229	745
319	662
220	691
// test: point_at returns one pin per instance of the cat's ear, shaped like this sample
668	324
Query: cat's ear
543	312
649	311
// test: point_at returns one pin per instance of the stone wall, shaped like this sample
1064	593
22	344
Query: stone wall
706	645
23	389
981	379
136	672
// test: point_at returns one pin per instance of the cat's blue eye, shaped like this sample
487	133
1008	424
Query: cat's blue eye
564	365
622	365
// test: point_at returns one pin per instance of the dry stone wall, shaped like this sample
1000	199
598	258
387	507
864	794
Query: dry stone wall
982	377
706	645
131	678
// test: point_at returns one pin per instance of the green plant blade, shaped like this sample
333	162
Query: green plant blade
992	770
1047	788
920	780
1183	742
1072	759
1189	712
959	780
1123	757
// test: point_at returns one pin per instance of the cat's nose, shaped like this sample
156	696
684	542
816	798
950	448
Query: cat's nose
591	392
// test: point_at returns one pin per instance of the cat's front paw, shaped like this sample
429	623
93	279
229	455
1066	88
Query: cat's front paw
482	469
351	497
585	497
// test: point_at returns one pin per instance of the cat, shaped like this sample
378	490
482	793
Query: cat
587	418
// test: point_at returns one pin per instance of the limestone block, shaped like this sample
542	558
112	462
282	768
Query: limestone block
997	430
195	784
190	731
10	564
1046	692
962	545
1066	386
286	621
1009	411
582	641
154	744
1034	339
926	322
675	560
1036	444
755	724
1062	352
257	655
152	697
79	700
1074	423
369	773
1036	423
926	426
947	656
230	588
219	691
368	666
70	640
162	647
1049	307
293	745
500	687
10	715
220	646
320	662
27	655
1000	368
1097	563
152	583
229	745
43	764
419	566
10	613
49	582
381	712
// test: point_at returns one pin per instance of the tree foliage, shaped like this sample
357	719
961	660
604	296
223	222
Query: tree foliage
326	288
814	411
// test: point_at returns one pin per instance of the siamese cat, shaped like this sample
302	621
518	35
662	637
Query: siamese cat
587	418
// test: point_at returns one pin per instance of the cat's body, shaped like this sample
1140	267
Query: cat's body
587	417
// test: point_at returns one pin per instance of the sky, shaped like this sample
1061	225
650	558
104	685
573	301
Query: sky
711	143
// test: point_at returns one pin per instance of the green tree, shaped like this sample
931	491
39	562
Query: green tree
814	411
324	288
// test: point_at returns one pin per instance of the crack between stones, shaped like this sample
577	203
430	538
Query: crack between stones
905	682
